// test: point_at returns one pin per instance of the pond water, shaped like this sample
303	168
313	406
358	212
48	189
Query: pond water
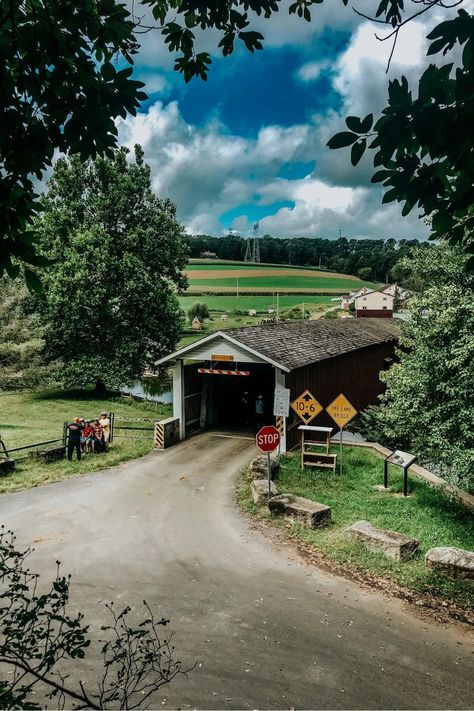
151	388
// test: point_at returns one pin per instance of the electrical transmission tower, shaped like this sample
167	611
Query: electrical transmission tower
256	243
248	252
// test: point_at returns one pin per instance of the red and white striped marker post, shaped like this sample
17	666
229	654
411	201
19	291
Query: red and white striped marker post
268	439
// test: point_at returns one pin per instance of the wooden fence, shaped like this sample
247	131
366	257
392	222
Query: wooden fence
117	430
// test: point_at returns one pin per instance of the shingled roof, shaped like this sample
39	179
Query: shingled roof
298	343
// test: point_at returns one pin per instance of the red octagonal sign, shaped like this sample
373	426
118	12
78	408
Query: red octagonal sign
268	438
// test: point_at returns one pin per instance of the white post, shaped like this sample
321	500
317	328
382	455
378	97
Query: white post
281	381
178	397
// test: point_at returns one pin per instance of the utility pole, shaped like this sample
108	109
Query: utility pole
256	243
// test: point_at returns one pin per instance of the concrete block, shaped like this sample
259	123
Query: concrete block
166	433
309	513
259	490
51	454
258	467
7	465
454	562
391	543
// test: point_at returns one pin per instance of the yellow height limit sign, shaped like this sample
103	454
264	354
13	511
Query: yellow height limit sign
306	407
342	412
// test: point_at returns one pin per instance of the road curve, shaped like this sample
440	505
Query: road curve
266	630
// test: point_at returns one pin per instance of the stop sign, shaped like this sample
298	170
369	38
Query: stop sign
268	438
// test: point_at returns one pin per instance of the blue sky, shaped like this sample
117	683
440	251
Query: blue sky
249	144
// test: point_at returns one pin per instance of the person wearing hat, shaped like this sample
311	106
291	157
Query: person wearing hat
104	422
74	438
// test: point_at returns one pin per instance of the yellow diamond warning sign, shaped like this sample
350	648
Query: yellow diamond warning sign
306	407
341	411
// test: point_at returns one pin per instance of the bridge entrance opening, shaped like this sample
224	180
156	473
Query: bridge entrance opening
229	402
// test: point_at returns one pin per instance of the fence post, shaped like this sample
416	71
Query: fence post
4	448
64	434
112	423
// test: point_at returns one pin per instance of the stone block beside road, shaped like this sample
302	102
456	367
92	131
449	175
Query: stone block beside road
259	490
7	465
52	454
309	513
391	543
258	467
455	562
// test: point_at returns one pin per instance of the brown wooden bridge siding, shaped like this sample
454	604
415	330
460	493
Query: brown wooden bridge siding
355	374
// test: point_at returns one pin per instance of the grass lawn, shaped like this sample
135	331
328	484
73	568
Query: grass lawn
29	417
244	303
288	282
427	515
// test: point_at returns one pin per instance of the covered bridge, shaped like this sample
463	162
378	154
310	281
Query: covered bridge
217	379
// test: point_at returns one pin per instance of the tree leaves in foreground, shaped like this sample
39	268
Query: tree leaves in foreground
423	142
428	407
42	645
67	75
109	305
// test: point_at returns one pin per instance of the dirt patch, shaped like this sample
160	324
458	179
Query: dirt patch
215	274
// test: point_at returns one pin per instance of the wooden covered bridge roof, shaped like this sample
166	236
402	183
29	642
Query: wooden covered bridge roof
296	344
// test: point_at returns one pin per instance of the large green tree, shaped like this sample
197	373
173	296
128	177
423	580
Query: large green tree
423	141
21	339
428	406
109	305
66	75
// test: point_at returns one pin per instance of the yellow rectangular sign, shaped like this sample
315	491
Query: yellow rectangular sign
221	358
341	411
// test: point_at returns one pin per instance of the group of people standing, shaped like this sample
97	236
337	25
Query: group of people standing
85	436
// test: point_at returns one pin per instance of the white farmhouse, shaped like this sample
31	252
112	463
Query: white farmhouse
374	304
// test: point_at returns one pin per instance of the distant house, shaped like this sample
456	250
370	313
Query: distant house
401	295
196	324
208	255
374	304
346	301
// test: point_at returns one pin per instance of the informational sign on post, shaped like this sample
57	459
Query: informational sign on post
306	407
281	403
342	412
267	440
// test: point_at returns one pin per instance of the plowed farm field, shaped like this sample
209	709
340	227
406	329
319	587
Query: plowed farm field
260	279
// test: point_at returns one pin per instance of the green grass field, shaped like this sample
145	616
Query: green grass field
30	417
261	277
427	514
276	283
244	303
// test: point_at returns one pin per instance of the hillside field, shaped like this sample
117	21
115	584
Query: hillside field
261	279
230	304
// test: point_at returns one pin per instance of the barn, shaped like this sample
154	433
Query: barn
217	379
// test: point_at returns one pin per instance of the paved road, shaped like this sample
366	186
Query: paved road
267	631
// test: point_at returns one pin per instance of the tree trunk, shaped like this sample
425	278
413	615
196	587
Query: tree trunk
100	386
